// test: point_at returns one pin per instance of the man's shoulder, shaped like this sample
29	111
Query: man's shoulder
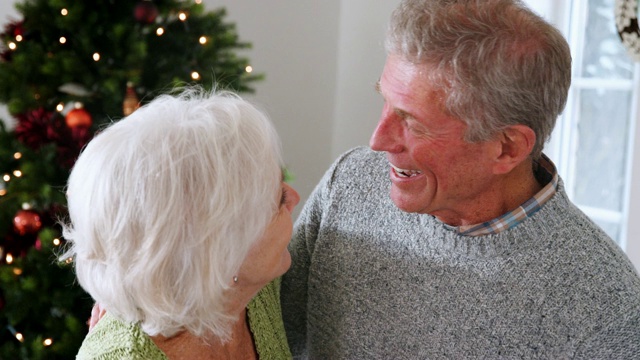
361	154
360	163
357	186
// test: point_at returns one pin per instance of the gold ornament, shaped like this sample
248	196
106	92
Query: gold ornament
131	102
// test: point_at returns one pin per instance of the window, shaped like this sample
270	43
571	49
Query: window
593	142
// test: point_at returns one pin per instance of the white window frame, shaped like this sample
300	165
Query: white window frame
570	17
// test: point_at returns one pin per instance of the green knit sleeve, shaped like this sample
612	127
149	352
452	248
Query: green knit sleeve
113	339
265	321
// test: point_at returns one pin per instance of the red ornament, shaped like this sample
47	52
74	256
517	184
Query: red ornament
18	29
78	118
145	12
11	30
36	127
14	28
27	222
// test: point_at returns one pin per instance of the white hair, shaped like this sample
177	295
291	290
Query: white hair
165	204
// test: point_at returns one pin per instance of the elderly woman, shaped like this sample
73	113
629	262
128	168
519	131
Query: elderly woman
179	226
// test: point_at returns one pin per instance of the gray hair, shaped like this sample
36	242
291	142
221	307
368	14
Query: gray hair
165	204
498	63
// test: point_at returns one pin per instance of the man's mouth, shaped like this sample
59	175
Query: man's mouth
403	173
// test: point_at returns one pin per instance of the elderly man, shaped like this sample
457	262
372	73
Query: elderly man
453	236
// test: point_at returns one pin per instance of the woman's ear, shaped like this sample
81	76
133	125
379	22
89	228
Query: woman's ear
515	145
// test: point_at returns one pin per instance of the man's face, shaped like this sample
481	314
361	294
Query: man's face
433	169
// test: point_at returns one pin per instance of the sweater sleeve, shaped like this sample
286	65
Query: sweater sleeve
619	340
295	282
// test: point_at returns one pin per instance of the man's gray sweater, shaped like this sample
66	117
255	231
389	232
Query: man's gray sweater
370	281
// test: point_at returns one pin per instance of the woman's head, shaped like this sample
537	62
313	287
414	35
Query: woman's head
165	205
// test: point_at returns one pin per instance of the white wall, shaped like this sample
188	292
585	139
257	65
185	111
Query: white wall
295	44
360	60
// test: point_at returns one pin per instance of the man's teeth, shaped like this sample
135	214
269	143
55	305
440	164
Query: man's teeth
405	173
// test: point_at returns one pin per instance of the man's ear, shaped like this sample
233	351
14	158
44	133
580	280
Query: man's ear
515	145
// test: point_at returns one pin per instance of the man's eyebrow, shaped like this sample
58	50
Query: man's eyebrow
403	114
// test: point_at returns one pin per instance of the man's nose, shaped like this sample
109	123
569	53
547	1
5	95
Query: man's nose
387	135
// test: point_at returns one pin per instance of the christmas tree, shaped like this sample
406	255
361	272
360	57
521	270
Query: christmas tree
67	68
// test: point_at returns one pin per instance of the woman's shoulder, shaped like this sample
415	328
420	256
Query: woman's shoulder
114	339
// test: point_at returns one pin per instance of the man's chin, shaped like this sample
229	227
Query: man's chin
406	202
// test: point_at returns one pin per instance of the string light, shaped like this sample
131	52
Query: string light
63	39
195	75
17	173
3	192
17	271
36	96
47	342
159	31
6	177
17	155
12	45
20	337
182	16
248	69
64	12
96	57
18	38
60	107
203	40
198	2
9	258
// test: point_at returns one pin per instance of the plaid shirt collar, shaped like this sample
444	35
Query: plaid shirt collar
546	173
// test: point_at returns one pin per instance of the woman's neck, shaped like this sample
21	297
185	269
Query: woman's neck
185	345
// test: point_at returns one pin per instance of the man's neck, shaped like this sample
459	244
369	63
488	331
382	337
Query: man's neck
507	193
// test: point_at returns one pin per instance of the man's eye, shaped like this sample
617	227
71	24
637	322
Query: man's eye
416	128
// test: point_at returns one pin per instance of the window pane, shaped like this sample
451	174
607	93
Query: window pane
602	147
604	56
